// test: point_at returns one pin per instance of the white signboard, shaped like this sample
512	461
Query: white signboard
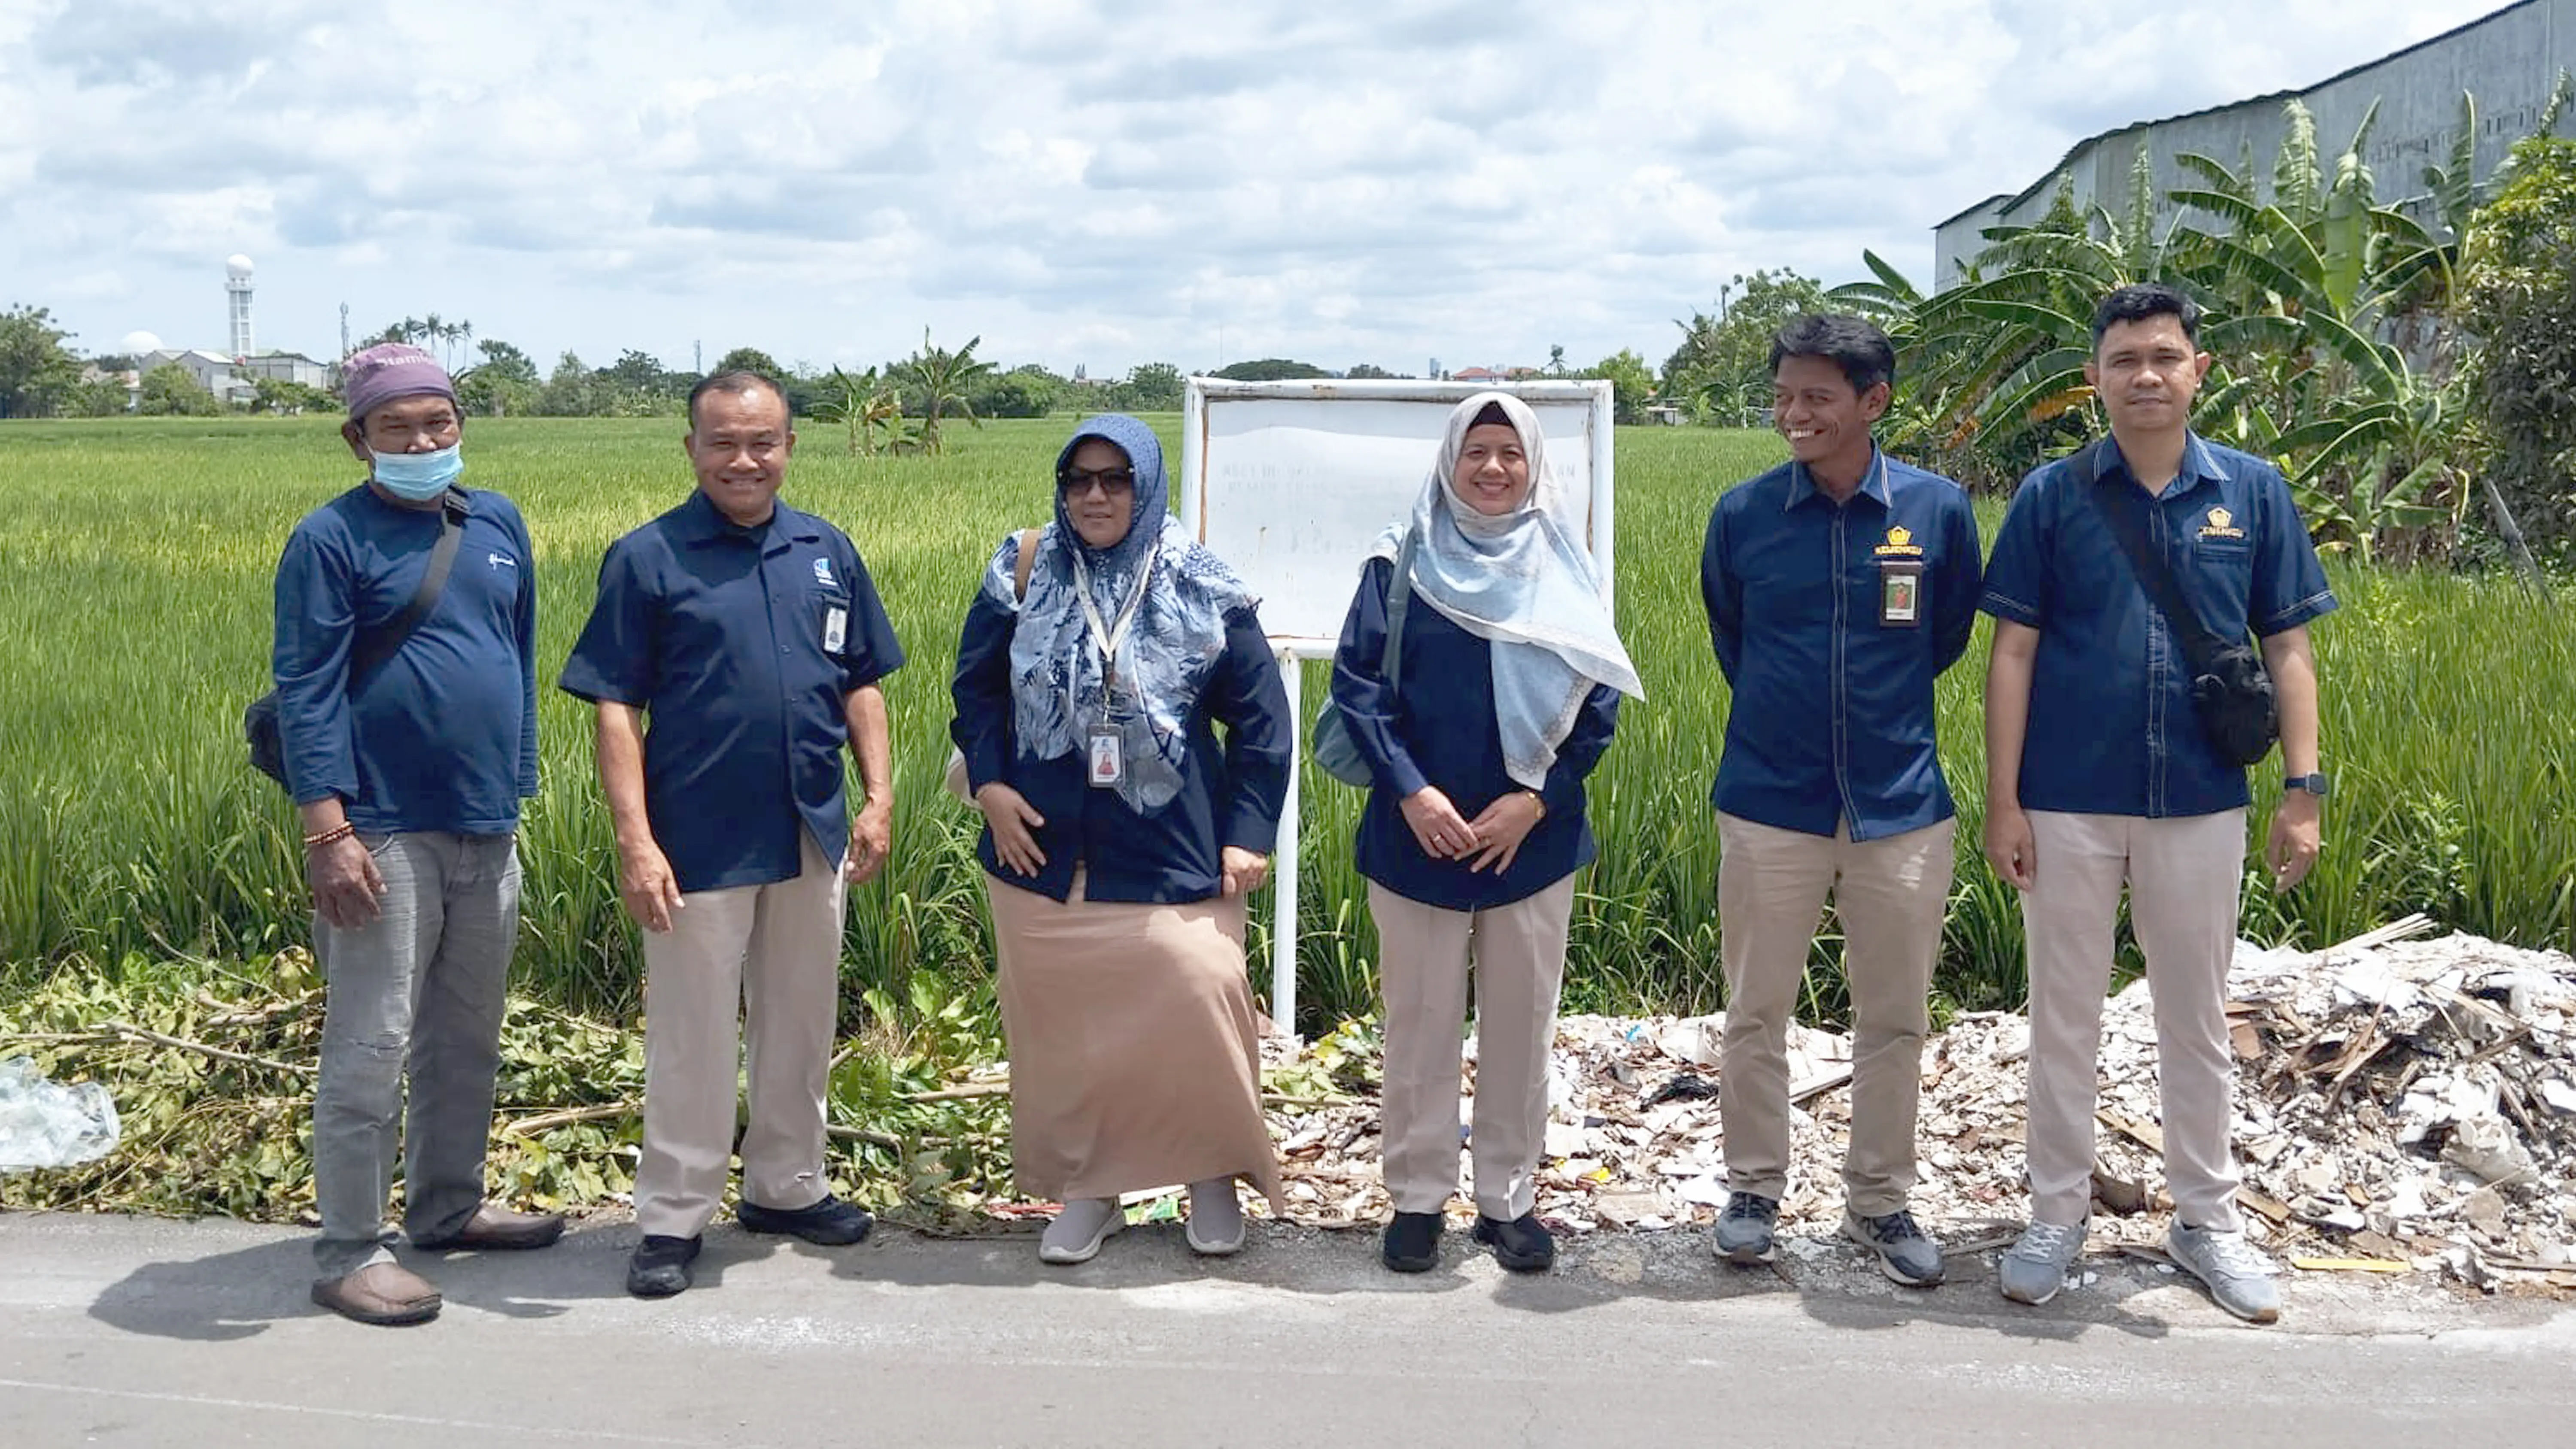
1290	482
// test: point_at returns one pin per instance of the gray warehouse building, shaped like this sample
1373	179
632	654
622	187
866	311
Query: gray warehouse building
2509	61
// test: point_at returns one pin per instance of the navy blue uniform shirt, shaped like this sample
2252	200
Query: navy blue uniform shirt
1229	796
717	632
2112	726
442	736
1435	726
1832	718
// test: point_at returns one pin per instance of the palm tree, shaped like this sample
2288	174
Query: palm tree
938	381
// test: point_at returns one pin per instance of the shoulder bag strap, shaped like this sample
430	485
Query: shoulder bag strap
1399	600
1028	560
2152	570
376	649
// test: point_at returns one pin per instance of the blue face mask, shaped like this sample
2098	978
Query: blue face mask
419	477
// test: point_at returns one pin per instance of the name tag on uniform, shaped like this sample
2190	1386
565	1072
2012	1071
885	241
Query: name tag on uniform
1900	592
836	630
1108	759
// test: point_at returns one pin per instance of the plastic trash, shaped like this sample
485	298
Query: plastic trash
46	1124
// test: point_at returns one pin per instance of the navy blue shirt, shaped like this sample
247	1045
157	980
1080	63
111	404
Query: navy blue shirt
1229	796
442	736
1832	715
717	632
1438	728
2112	727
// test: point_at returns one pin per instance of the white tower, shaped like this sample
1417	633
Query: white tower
237	290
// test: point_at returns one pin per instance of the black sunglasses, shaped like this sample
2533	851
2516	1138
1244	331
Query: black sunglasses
1078	481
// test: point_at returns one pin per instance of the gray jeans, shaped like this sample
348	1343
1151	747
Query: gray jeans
421	985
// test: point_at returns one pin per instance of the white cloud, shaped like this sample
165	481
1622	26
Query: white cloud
1078	182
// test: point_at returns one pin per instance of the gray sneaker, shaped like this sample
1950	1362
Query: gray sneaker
1744	1229
2034	1267
1905	1254
2236	1273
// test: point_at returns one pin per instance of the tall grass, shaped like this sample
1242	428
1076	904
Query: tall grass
135	558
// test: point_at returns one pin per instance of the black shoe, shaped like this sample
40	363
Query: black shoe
1412	1243
660	1267
830	1223
1520	1245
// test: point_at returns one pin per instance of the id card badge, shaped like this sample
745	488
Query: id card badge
1900	593
1108	759
836	629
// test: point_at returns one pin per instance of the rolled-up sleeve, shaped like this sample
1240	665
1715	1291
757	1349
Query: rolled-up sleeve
316	626
1260	738
1366	698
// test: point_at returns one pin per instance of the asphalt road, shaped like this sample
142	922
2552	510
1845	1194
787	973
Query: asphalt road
122	1331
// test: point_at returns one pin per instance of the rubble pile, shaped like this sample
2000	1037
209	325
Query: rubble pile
2399	1103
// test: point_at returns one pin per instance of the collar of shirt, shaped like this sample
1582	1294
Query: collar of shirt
699	523
1802	484
2199	466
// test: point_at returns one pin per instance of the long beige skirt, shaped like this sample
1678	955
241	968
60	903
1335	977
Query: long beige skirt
1135	1054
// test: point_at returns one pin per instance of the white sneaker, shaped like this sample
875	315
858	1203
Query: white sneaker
2237	1274
1078	1231
2034	1267
1215	1228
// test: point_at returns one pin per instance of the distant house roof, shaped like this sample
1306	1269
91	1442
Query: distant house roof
1477	374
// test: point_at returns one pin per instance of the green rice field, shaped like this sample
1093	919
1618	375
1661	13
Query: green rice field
135	559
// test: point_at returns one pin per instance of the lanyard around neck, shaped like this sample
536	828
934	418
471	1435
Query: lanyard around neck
1110	636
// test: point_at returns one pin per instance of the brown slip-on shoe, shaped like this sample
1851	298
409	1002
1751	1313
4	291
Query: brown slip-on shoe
385	1294
497	1229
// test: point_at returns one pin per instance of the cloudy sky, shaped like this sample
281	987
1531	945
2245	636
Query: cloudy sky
1078	181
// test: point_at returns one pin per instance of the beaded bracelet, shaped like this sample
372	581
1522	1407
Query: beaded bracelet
341	831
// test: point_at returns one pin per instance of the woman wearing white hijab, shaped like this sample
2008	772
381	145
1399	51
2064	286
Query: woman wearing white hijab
1507	692
1120	840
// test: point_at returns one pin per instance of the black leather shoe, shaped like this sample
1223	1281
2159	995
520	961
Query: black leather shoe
830	1223
1520	1245
660	1267
1412	1243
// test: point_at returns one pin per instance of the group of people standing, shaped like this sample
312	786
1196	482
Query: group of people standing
1121	728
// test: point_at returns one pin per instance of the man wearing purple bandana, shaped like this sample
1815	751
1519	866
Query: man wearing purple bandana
407	769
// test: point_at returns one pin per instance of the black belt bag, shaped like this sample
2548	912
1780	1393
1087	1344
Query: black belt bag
2230	690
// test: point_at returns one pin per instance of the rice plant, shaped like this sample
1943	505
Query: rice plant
135	563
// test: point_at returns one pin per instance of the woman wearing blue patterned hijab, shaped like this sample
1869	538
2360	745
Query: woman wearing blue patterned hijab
1121	836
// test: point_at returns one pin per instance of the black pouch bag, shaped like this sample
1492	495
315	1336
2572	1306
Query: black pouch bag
2230	690
259	720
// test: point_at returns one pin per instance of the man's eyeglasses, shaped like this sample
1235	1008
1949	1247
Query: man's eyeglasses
1077	481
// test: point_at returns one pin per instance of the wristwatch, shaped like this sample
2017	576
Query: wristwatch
2314	784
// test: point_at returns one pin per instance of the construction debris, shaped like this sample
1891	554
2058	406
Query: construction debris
2398	1102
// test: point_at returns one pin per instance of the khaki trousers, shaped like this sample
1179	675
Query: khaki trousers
2183	876
1891	896
1518	951
767	956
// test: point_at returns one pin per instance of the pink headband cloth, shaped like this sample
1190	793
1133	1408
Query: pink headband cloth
378	375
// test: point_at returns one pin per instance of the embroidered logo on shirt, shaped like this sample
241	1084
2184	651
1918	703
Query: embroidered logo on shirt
823	572
2221	525
1900	544
501	561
